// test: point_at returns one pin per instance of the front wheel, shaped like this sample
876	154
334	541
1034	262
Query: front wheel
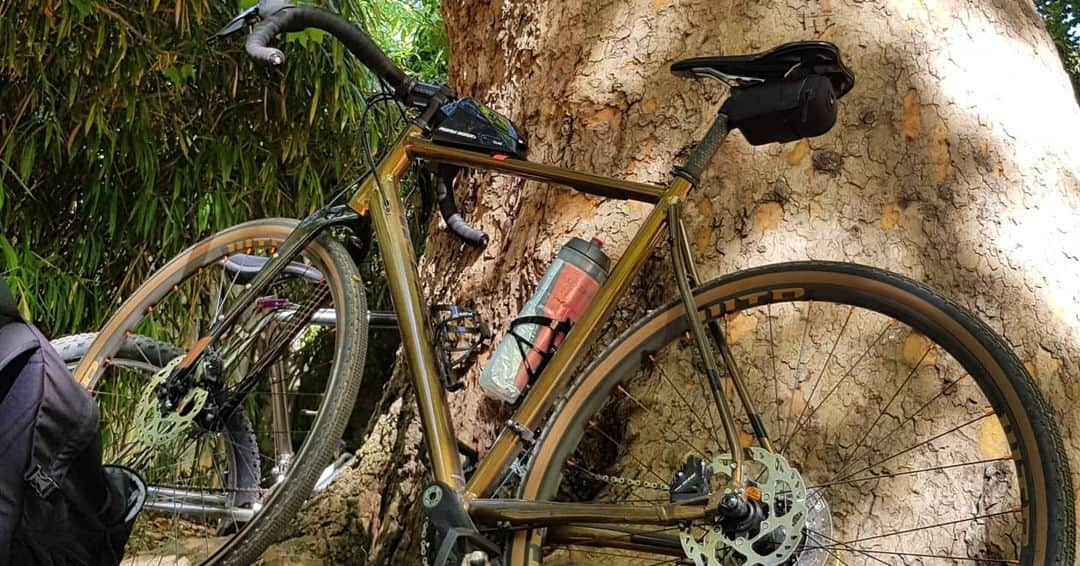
905	431
291	364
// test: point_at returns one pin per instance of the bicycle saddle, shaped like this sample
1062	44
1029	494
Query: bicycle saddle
789	61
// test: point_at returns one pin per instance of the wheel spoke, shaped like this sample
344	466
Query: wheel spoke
910	472
689	407
798	368
923	443
600	431
812	534
821	374
844	377
847	546
881	413
695	449
924	555
924	528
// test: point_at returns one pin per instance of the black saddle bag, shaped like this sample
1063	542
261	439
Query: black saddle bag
58	504
782	111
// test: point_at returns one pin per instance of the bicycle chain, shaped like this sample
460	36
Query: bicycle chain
619	480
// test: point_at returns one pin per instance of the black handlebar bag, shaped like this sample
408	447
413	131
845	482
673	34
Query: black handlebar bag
58	504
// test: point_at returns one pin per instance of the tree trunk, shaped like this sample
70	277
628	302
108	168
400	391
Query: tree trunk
955	161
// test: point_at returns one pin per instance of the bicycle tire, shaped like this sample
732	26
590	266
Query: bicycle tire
343	382
985	355
152	355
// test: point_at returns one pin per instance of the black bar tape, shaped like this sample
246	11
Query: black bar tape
444	193
263	33
299	18
470	235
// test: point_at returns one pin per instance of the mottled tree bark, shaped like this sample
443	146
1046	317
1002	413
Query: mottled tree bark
955	161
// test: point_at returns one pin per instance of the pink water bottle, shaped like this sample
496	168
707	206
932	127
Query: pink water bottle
564	292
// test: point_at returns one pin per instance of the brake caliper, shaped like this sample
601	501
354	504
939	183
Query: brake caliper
770	531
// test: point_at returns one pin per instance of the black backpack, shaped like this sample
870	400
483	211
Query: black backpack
58	504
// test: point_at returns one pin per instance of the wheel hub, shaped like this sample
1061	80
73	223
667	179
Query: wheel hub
774	529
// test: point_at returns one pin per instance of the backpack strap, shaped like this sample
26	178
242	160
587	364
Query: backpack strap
16	344
15	341
66	421
8	309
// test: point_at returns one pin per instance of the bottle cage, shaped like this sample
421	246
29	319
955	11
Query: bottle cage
558	327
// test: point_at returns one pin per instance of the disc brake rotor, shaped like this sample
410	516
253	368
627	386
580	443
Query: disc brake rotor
780	533
154	429
818	530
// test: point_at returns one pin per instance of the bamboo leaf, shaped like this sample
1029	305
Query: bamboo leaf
314	102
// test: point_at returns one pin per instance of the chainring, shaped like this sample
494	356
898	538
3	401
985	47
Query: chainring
783	493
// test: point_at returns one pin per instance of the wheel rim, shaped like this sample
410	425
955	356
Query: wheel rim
539	484
196	285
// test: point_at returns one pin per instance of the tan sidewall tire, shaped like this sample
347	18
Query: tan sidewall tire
347	291
1023	410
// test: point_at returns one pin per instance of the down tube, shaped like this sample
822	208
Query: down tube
556	375
399	259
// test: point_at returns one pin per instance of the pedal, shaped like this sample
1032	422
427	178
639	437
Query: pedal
460	334
476	558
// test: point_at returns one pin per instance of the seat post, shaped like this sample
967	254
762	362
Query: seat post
704	151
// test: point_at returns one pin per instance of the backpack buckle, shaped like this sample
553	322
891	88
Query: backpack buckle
42	482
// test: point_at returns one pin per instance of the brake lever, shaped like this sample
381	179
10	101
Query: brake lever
236	24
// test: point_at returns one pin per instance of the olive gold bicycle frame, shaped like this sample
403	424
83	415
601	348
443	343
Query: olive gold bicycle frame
377	198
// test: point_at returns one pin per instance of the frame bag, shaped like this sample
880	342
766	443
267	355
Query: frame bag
58	504
782	111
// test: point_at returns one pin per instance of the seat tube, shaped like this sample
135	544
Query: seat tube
399	259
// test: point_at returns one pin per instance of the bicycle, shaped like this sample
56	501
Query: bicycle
579	454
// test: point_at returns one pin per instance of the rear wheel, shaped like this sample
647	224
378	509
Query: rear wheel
292	364
905	432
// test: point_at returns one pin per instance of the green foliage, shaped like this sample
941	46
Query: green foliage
1063	22
124	137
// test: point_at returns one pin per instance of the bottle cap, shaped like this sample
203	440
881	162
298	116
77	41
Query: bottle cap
582	253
